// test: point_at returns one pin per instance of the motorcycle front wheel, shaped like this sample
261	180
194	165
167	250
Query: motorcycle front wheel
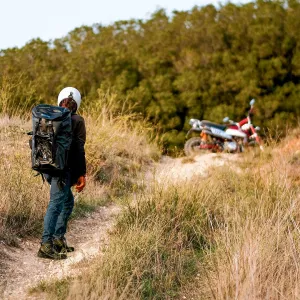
192	146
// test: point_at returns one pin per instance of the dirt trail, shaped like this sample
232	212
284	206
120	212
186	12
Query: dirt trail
181	169
23	269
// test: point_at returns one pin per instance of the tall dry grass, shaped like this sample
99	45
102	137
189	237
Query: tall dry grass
232	235
22	197
119	142
256	240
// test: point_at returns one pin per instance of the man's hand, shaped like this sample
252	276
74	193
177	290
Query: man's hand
80	184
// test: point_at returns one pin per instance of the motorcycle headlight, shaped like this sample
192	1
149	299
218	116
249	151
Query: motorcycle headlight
196	123
192	121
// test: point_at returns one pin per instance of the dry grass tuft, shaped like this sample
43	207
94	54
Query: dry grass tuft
119	144
21	200
256	242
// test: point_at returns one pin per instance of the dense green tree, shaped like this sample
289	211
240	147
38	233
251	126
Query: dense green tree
204	63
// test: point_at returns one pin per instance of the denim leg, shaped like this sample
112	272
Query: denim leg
57	199
62	221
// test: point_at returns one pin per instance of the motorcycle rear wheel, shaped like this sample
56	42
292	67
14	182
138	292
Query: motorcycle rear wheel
192	146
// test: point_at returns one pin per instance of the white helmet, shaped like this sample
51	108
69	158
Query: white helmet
69	92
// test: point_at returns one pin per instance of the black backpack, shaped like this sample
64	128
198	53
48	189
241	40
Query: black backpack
51	139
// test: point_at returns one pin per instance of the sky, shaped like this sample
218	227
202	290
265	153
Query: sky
24	20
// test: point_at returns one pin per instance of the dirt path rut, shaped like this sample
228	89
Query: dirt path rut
22	268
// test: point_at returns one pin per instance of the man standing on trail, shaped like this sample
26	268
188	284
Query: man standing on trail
54	245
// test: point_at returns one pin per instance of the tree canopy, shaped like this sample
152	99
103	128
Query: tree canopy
205	63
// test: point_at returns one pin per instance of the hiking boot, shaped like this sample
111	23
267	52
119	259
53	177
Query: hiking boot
47	251
60	245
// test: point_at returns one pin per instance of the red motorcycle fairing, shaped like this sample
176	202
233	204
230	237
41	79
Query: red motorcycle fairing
250	131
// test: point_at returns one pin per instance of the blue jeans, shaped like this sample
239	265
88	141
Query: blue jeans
59	210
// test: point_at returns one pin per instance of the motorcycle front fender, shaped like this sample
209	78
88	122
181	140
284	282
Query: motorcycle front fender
188	133
192	130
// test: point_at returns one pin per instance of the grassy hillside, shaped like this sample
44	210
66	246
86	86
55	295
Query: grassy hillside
233	234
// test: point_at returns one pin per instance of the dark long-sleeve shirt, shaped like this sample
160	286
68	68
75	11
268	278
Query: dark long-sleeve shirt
76	160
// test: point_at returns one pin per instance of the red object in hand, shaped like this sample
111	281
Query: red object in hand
80	184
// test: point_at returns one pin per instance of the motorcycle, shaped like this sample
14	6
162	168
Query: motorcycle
231	137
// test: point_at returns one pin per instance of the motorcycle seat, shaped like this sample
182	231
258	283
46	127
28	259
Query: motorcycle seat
211	124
